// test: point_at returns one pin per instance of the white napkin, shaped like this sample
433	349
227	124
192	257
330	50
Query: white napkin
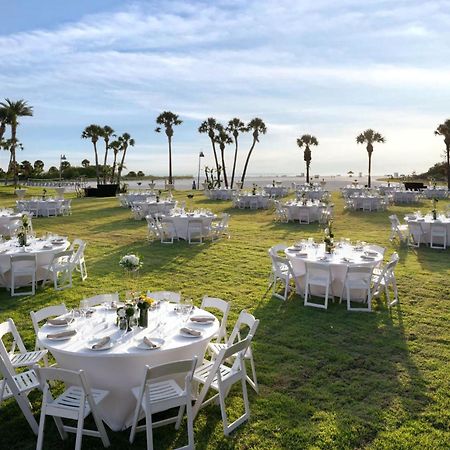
191	331
58	322
149	343
68	333
101	343
202	319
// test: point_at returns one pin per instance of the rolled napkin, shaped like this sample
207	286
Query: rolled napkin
62	334
58	322
368	258
202	319
191	331
149	343
370	253
101	343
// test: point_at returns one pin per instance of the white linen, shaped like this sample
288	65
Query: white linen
220	193
427	223
315	210
261	200
181	222
122	367
276	191
41	207
44	250
344	255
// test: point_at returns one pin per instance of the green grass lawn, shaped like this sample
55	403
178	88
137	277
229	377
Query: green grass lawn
328	379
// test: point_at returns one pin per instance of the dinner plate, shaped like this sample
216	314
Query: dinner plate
92	342
157	341
194	322
187	335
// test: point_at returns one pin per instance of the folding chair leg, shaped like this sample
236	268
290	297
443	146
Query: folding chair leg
25	406
101	430
179	417
253	382
149	429
80	424
223	412
40	438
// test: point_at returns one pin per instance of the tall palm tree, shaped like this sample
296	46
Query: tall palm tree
13	110
125	141
222	139
209	127
257	127
444	130
3	121
168	120
94	132
115	146
235	126
370	137
306	141
107	134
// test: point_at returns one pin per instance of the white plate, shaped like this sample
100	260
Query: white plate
62	338
193	322
158	341
92	342
190	335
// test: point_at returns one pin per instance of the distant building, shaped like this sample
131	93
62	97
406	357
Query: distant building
395	174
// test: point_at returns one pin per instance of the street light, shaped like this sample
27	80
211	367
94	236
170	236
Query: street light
200	156
61	159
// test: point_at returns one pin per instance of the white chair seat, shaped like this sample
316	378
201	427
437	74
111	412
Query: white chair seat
27	359
25	381
216	348
202	374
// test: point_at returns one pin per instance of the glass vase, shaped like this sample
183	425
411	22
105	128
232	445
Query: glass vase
143	317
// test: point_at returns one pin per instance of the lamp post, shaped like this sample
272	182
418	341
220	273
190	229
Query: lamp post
200	156
61	159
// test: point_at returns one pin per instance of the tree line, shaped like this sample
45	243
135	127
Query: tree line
220	137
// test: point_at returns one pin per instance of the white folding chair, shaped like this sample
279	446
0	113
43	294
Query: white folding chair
66	207
281	271
386	279
318	275
43	314
78	246
21	358
168	231
195	231
60	270
19	385
303	214
254	203
397	229
416	234
173	297
245	319
438	236
101	298
76	403
367	205
23	266
157	394
153	229
224	308
220	377
358	278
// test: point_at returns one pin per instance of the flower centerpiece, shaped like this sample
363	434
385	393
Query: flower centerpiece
124	315
143	303
303	198
131	263
434	210
44	194
22	234
329	237
254	189
158	196
273	183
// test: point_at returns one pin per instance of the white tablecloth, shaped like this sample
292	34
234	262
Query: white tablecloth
220	194
427	223
41	207
42	248
373	201
122	367
336	262
315	210
435	193
276	191
404	196
153	207
181	223
260	201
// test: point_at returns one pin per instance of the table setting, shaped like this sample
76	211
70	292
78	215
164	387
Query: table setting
181	219
113	347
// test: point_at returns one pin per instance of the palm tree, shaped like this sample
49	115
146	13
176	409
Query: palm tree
3	121
38	167
209	126
13	110
94	132
107	133
115	146
125	141
235	126
168	119
223	138
444	130
257	126
369	137
307	140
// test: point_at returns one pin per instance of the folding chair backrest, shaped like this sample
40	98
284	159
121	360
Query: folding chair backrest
244	319
274	250
81	245
174	297
278	265
240	346
363	272
62	257
186	366
317	268
69	377
221	305
9	327
23	261
102	298
45	313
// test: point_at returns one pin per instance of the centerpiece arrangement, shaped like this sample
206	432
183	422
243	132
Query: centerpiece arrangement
24	229
128	313
434	210
130	263
143	303
44	194
328	238
125	315
254	188
158	196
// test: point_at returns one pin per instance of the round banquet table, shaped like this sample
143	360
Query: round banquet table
44	249
181	222
261	201
120	368
427	222
153	207
344	255
314	209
